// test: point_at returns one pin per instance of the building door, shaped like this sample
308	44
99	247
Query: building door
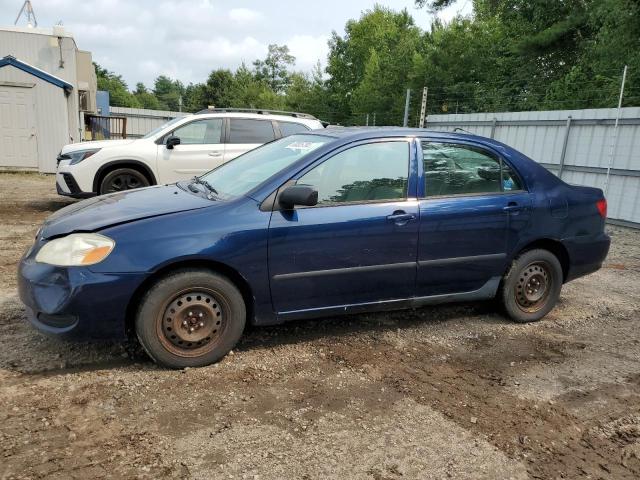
18	143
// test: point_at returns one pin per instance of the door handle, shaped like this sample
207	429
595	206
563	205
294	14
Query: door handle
512	207
401	217
215	154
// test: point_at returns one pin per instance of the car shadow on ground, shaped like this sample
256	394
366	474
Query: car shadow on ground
53	356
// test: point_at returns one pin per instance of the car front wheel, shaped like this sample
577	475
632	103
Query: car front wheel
122	179
190	318
532	286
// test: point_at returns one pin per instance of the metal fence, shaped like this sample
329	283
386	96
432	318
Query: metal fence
100	127
140	121
579	146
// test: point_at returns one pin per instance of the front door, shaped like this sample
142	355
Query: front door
200	150
472	209
18	143
246	134
359	244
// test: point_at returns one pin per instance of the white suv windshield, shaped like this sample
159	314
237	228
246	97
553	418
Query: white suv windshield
162	127
247	171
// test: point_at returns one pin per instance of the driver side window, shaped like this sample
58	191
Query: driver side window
366	173
200	132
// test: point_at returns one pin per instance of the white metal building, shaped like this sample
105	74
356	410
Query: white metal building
45	84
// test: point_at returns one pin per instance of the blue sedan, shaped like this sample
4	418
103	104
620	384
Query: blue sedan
311	225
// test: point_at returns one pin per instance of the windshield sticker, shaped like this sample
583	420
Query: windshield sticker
303	147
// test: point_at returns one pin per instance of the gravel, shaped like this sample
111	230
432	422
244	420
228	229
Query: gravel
453	391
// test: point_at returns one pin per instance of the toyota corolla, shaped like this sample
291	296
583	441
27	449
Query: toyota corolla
312	225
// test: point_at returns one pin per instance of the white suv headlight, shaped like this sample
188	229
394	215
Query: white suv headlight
77	157
76	249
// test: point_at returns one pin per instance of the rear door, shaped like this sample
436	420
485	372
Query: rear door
245	134
359	244
201	149
472	209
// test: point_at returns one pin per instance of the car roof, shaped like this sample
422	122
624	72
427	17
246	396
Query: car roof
365	133
311	121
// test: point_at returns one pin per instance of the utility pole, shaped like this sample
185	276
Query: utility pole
27	9
423	108
614	138
367	121
374	119
406	108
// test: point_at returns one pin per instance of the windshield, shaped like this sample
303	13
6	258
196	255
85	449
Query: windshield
247	171
162	127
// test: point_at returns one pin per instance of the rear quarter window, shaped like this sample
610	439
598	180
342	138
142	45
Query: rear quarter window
290	128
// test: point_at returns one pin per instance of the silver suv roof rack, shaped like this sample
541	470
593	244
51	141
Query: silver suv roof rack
262	111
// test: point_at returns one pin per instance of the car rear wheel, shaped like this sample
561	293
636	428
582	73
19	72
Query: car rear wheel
532	287
190	318
122	179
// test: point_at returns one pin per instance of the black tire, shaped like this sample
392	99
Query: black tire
532	286
122	179
165	323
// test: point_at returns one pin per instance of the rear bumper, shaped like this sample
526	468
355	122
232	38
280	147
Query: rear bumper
76	302
586	254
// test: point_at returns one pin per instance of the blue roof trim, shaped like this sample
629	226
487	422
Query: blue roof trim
36	72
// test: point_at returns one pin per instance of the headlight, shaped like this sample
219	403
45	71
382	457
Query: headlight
76	249
77	157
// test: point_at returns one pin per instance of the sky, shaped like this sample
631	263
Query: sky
186	39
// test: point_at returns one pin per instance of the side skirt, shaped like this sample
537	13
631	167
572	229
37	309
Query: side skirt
487	291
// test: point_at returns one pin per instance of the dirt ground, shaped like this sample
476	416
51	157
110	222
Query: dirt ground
445	392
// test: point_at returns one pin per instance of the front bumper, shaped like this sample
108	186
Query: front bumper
586	254
75	302
67	185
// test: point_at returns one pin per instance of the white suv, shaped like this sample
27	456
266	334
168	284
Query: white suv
179	149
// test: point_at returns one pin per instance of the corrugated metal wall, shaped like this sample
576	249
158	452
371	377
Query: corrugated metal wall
574	144
140	121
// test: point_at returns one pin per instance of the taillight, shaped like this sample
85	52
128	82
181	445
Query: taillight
602	207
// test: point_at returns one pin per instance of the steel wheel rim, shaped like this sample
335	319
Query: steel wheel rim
124	181
191	323
533	286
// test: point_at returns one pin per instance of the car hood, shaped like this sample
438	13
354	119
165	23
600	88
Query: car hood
74	147
122	207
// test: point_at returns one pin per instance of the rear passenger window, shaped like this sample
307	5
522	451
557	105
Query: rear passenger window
289	128
462	170
245	130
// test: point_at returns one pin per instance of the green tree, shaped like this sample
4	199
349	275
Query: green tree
274	68
195	97
369	66
119	95
168	92
146	98
307	93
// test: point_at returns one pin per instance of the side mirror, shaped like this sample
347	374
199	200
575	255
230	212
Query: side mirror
298	195
172	142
